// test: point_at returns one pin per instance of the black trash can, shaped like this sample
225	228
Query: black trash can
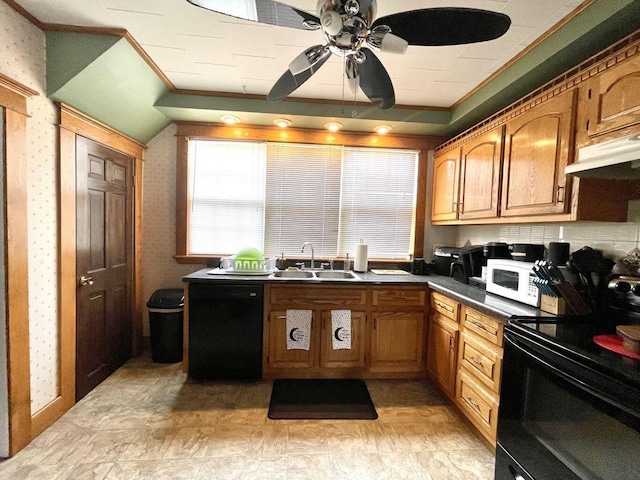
166	308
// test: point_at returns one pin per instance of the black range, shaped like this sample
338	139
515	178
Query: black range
569	408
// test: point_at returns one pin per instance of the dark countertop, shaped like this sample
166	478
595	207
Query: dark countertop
500	308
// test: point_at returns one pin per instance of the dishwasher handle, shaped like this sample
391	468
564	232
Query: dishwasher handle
226	292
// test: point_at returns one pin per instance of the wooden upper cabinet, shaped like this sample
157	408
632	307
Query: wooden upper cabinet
446	174
612	99
480	176
538	145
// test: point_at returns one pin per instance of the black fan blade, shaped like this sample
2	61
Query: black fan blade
289	82
446	26
375	81
267	11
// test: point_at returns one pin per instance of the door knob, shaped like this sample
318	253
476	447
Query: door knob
86	280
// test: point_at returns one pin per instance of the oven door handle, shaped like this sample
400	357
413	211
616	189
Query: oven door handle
543	356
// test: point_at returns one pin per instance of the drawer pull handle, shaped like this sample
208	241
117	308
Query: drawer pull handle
473	404
479	325
476	361
446	307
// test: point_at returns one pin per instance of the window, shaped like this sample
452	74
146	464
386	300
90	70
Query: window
275	196
226	207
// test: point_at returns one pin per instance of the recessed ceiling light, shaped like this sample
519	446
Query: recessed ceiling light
333	126
282	122
382	129
229	119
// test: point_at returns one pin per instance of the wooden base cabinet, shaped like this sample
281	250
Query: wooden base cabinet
397	342
388	329
321	358
397	338
442	352
278	355
343	358
442	342
479	370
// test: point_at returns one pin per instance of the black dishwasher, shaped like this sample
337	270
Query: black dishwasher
225	331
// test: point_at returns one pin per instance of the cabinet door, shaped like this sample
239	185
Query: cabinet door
279	356
446	173
397	342
343	358
538	145
613	100
480	176
442	348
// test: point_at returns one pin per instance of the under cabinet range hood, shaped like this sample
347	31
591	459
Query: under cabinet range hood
617	159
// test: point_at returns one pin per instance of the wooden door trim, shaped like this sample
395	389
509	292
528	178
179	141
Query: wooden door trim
13	97
72	123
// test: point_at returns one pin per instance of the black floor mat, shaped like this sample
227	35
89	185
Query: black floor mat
321	399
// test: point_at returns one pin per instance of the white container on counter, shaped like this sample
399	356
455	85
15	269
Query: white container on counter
361	259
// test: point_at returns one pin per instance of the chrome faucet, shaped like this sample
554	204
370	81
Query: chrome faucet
313	256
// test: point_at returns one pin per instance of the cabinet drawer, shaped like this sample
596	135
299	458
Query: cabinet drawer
482	359
483	326
445	306
300	297
479	405
398	297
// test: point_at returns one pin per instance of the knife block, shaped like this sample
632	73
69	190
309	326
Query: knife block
555	305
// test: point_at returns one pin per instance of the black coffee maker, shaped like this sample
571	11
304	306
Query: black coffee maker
467	263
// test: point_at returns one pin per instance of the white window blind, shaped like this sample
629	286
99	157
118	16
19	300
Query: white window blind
275	197
378	201
227	196
303	199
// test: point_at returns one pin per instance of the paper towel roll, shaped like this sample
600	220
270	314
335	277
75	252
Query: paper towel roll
360	262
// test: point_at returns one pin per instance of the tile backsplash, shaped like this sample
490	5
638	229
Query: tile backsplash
614	239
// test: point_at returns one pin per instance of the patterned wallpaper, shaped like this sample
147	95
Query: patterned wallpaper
159	269
23	59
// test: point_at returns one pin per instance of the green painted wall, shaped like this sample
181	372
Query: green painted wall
602	24
104	77
106	80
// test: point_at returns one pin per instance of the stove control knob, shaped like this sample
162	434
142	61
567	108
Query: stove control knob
636	290
622	287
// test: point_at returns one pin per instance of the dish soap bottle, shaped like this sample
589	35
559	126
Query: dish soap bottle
347	263
281	263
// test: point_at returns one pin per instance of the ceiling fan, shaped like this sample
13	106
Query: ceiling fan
352	32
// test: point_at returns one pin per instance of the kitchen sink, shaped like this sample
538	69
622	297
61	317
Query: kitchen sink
292	274
333	274
314	275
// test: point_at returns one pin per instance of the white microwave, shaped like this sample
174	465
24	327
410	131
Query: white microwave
512	279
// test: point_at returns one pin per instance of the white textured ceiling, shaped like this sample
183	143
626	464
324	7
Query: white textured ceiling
202	50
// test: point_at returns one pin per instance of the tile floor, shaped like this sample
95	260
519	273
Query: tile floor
147	422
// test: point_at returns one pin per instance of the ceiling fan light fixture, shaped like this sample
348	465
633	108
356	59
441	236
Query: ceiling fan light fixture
333	126
282	122
382	129
381	39
229	119
331	22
